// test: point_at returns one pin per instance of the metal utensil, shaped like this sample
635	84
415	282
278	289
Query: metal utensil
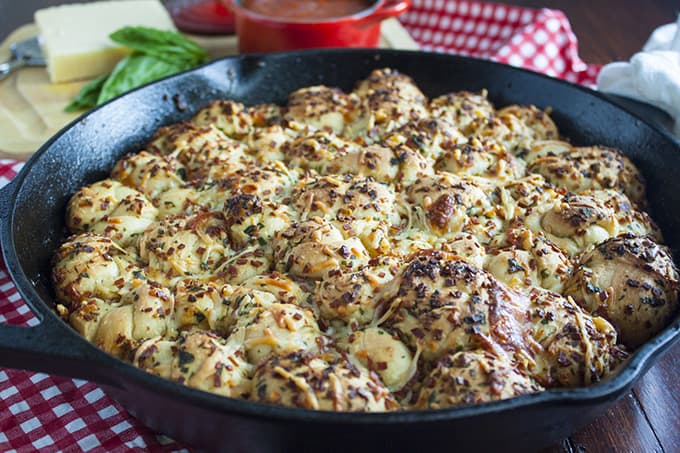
24	53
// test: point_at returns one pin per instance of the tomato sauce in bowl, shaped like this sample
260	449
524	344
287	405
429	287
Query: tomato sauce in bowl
307	9
280	25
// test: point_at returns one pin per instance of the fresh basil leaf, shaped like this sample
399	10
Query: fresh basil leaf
87	96
135	70
169	46
156	54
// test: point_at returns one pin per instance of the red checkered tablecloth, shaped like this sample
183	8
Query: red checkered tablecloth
536	39
51	413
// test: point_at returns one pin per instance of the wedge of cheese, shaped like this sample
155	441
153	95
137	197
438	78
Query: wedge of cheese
75	38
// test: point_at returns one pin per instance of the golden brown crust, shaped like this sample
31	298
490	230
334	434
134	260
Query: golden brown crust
474	377
632	282
232	118
462	108
440	302
593	167
576	349
367	251
320	382
321	107
480	158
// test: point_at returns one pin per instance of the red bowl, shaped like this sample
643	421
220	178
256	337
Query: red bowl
258	33
204	17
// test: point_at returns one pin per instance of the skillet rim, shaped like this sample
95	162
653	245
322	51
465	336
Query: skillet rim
609	389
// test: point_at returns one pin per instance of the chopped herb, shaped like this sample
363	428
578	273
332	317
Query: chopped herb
87	96
592	288
514	266
185	358
652	301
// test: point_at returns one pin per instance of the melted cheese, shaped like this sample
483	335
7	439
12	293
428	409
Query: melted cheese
347	252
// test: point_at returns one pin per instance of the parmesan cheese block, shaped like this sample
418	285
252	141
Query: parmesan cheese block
75	38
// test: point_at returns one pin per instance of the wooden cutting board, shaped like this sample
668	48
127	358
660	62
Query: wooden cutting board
32	108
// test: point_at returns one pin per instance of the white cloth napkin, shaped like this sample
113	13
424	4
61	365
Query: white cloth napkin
652	75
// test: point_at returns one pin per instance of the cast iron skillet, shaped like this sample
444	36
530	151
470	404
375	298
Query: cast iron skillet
32	211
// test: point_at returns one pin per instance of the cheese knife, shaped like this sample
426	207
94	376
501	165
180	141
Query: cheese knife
24	53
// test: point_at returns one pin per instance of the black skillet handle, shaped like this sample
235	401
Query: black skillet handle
51	346
48	348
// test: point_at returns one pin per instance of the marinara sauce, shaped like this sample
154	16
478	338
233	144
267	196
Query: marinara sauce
307	9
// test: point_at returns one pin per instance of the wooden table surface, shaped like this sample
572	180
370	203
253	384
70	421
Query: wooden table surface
647	419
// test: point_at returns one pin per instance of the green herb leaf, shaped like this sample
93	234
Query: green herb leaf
185	358
169	46
87	96
156	54
250	230
135	70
